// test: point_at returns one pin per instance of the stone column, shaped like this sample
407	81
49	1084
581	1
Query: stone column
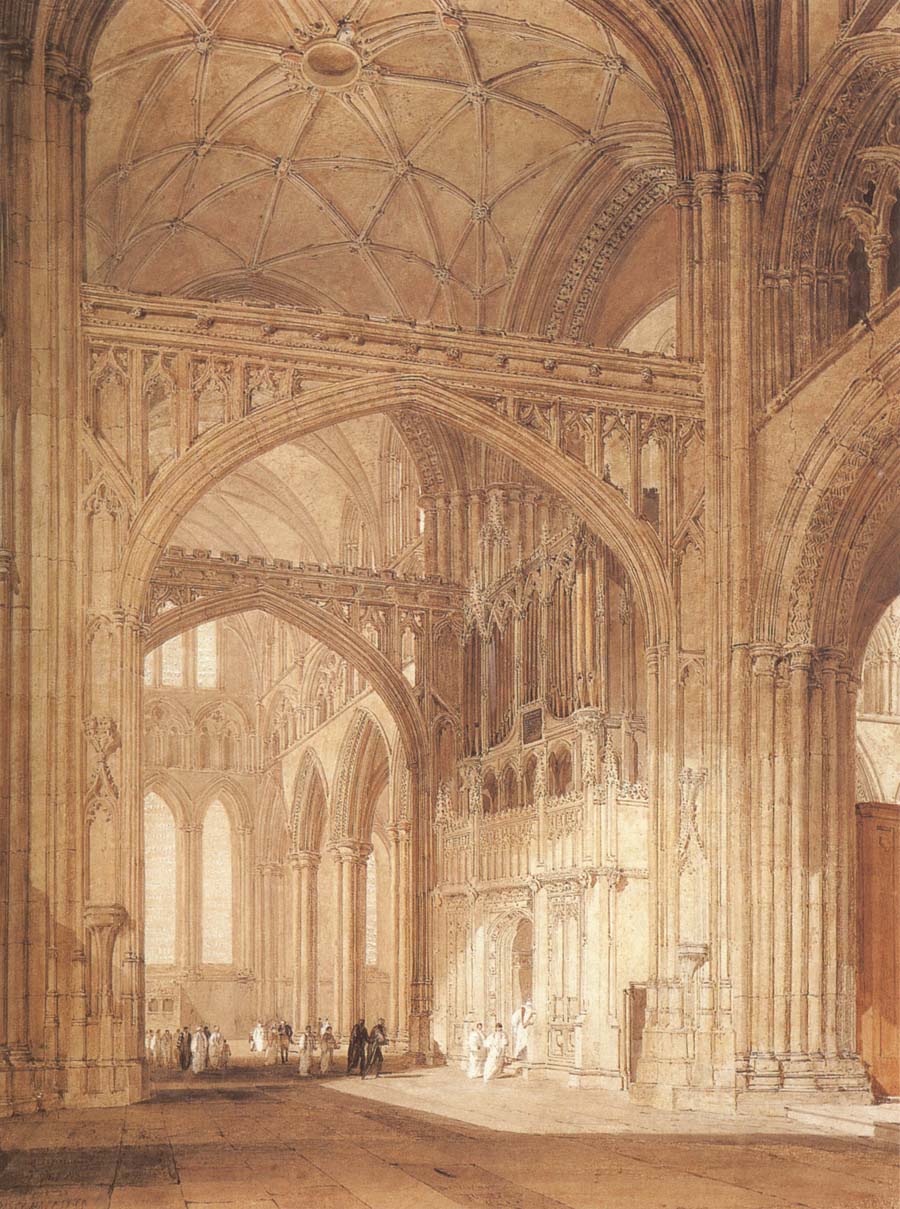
460	560
398	834
442	514
304	874
760	1046
429	536
352	856
682	197
878	249
421	882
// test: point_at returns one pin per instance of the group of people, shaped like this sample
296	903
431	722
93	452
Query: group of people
315	1047
364	1048
203	1049
490	1053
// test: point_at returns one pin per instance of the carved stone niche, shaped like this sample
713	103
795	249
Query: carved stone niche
103	922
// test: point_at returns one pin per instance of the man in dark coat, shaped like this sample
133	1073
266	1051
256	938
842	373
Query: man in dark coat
356	1050
183	1045
377	1039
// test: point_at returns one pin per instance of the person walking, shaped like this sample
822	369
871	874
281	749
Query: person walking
356	1048
378	1039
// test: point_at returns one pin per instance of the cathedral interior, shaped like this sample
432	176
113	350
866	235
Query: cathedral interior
450	538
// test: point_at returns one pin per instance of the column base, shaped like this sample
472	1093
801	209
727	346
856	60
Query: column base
769	1082
604	1080
106	1084
421	1042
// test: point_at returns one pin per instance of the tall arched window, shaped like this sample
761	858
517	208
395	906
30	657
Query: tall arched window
207	655
160	905
217	887
371	912
172	675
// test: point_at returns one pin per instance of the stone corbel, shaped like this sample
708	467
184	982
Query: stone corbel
104	923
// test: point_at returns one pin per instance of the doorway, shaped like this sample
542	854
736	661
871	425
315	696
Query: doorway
878	982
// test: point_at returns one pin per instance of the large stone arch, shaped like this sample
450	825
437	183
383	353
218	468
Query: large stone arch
393	688
633	542
841	490
307	830
348	807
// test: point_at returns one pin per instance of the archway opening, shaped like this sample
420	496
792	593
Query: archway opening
878	855
271	848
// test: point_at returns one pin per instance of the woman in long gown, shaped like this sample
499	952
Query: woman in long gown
328	1047
496	1055
273	1048
477	1053
305	1055
259	1038
199	1051
216	1041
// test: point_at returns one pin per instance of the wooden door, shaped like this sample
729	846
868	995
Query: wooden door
878	981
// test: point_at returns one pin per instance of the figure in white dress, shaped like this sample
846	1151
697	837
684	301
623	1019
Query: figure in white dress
305	1055
477	1052
273	1048
168	1051
522	1020
496	1054
259	1038
329	1044
199	1050
216	1046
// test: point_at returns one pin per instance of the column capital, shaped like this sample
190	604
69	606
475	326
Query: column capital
349	850
743	184
800	657
765	656
399	830
708	184
589	720
304	858
63	80
15	59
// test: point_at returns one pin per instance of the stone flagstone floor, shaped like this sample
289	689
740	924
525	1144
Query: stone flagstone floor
262	1139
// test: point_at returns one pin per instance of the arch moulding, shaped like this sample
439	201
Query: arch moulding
393	688
633	542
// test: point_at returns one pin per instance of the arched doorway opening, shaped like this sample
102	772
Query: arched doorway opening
878	855
274	857
522	962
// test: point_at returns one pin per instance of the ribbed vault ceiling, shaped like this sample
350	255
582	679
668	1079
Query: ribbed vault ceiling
289	502
421	188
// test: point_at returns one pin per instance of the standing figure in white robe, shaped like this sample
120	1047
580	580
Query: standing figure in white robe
216	1045
496	1054
259	1038
477	1052
522	1020
305	1055
273	1048
329	1044
199	1050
